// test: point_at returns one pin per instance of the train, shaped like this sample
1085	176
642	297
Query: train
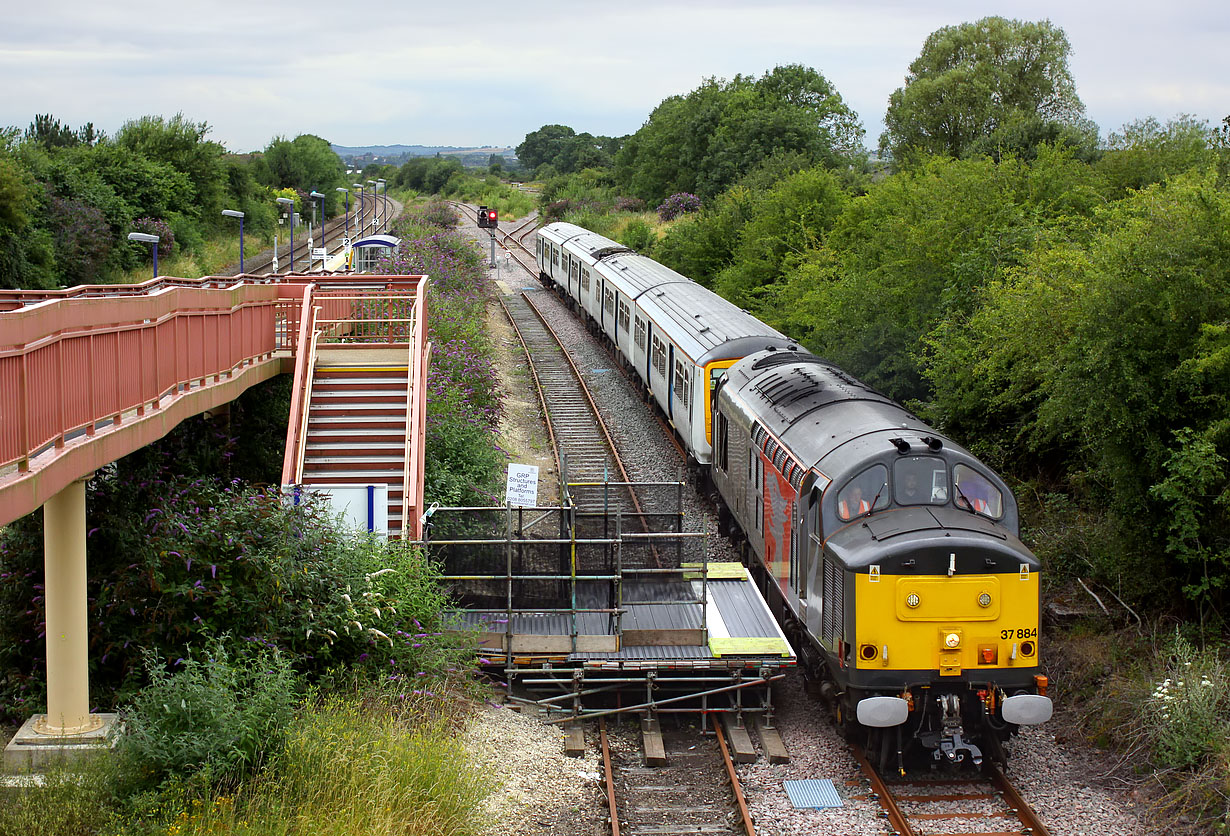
890	553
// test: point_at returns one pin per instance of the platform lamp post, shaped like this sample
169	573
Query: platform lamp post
359	221
384	216
315	195
290	204
235	213
372	183
347	192
146	238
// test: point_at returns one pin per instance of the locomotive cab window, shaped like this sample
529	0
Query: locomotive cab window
920	480
974	492
862	492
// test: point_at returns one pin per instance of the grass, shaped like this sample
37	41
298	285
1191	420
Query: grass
351	767
357	763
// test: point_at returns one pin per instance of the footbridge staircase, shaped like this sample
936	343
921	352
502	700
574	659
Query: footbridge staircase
92	373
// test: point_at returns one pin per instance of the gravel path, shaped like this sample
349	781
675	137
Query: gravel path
1062	782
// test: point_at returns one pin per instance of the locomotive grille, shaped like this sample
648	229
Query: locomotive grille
834	604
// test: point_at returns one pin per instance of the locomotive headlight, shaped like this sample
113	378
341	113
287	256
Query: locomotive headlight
913	601
984	600
952	640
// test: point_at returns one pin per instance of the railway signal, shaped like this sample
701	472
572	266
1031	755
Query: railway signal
493	219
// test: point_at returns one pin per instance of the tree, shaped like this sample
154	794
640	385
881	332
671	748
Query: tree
785	221
981	86
1148	152
1102	359
917	253
180	143
566	151
26	251
305	163
708	140
543	145
47	131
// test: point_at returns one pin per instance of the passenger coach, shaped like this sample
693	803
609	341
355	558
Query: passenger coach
678	337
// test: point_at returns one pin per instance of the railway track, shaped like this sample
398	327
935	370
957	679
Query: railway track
514	240
655	801
981	804
334	231
696	792
581	440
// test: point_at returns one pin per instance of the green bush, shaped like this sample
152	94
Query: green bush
1187	716
218	712
638	235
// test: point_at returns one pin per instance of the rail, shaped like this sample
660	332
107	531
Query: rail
92	373
416	411
365	312
943	791
300	398
80	368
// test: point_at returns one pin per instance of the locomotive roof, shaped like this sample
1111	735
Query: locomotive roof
705	325
817	409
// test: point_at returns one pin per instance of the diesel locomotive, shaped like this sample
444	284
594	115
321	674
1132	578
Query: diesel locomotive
890	552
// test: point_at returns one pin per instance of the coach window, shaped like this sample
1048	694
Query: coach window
681	382
575	271
974	492
610	302
640	333
625	314
555	255
585	279
865	492
920	480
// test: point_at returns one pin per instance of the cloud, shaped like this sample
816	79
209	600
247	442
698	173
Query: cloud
437	73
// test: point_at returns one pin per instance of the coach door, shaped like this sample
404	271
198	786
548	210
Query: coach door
812	554
670	383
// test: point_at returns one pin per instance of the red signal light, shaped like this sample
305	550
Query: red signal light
493	217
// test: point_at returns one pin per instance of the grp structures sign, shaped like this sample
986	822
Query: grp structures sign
521	488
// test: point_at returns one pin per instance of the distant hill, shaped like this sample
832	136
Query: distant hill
398	154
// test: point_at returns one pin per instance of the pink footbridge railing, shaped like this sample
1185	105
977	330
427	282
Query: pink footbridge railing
92	373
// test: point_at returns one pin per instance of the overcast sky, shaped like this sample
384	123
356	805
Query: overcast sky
485	73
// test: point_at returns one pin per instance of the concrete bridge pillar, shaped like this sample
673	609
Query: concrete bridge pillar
68	678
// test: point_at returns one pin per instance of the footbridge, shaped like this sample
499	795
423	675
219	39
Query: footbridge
92	373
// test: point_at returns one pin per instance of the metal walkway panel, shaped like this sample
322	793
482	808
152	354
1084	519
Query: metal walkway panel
812	794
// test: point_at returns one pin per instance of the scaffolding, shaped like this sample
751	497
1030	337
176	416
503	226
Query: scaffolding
587	609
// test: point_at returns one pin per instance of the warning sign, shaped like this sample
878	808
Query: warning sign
522	486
